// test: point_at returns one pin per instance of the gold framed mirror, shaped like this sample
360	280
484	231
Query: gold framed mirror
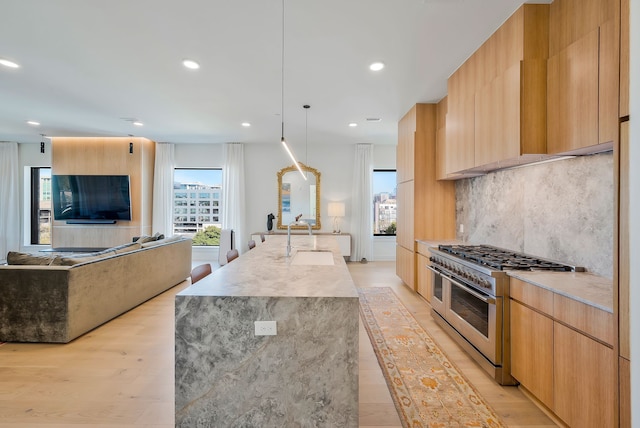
297	196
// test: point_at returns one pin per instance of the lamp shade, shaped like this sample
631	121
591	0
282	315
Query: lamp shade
336	209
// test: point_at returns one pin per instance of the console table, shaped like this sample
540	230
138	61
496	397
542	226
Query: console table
344	239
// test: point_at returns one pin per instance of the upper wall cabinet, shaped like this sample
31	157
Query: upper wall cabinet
497	99
583	76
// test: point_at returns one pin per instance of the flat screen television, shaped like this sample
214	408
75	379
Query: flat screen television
91	198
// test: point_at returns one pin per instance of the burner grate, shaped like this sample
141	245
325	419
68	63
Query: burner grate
500	259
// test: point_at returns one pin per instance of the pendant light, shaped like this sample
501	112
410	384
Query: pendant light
282	140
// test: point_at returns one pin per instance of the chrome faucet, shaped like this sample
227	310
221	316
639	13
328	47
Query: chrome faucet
296	221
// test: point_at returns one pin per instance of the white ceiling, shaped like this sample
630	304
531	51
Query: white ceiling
88	67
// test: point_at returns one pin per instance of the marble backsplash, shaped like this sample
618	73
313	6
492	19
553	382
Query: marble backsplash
562	210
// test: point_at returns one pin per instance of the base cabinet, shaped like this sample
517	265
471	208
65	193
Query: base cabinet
557	358
423	286
532	351
583	379
405	266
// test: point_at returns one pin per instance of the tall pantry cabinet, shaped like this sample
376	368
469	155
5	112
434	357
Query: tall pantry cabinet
425	206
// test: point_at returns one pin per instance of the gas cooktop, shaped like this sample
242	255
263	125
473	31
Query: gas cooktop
501	259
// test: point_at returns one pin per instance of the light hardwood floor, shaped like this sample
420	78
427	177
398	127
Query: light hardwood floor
122	373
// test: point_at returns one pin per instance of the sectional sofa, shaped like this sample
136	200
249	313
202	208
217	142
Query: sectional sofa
56	298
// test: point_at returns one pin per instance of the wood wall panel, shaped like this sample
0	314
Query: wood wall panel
105	156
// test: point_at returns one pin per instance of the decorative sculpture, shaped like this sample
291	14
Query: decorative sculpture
270	219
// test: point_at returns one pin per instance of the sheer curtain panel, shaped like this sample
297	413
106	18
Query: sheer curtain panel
233	203
362	229
10	197
162	218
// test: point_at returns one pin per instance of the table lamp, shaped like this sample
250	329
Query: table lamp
336	210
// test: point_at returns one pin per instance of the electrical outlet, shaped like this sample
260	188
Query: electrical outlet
265	328
461	228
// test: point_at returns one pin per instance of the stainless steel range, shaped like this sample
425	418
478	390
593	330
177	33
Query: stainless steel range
470	299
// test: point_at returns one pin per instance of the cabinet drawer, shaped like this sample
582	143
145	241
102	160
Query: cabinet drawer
585	318
532	295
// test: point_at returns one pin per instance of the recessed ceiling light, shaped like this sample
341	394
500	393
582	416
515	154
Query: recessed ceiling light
353	124
376	66
246	124
191	64
8	63
138	123
33	123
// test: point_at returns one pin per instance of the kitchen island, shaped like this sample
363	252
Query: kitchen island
305	375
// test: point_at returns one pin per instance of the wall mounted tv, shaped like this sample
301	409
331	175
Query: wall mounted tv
91	199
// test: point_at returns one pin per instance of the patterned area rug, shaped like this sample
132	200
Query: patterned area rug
427	389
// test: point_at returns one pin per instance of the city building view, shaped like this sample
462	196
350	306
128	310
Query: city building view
44	208
384	202
196	204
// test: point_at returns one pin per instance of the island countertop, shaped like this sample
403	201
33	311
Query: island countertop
303	372
266	271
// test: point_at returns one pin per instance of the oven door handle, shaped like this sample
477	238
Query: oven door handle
437	272
474	293
488	300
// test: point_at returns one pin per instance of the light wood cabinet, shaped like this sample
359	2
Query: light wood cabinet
425	206
562	352
583	75
532	351
405	266
497	98
624	58
441	139
583	373
459	133
423	276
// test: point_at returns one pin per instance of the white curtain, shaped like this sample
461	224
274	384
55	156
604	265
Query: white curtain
10	197
362	198
233	203
163	189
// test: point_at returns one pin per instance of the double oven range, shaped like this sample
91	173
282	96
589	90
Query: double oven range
470	299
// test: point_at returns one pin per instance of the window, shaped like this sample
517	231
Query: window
384	202
40	206
193	188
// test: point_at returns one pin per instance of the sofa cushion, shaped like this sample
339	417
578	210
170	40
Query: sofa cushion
162	241
18	258
74	260
145	238
127	248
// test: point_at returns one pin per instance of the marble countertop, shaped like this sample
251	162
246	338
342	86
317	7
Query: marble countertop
584	287
436	242
265	271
